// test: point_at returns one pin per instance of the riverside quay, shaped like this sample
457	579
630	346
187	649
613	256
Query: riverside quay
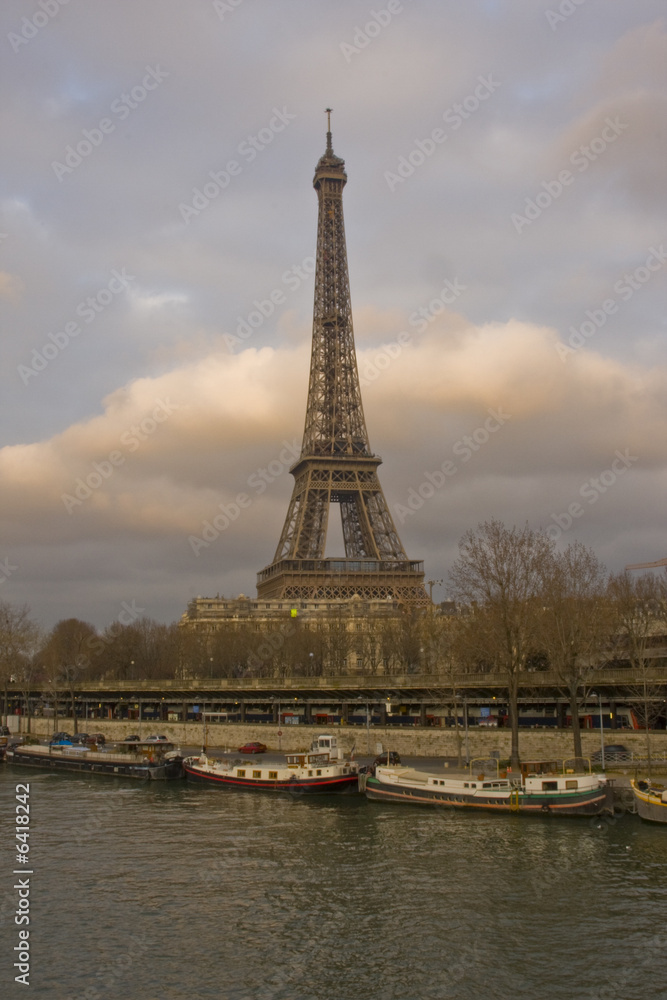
362	700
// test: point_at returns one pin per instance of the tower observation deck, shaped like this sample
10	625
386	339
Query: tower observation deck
336	464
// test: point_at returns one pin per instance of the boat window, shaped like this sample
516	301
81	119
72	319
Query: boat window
310	774
549	786
257	774
319	772
473	785
466	784
240	773
273	775
571	783
487	784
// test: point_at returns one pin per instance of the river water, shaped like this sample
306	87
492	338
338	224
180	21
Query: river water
168	890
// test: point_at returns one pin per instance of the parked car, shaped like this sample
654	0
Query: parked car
253	748
132	738
393	758
79	738
61	735
98	738
614	752
156	739
5	731
488	721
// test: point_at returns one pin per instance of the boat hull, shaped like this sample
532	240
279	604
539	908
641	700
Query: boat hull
584	803
114	766
334	785
650	806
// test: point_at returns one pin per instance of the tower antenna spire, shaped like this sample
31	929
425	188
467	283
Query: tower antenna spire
328	114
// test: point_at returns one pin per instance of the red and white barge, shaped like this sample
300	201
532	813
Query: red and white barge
323	770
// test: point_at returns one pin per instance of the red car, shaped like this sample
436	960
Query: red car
252	748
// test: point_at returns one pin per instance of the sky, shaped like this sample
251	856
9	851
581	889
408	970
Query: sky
505	220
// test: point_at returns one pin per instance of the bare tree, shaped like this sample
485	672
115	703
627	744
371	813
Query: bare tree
67	657
337	640
499	575
19	640
640	605
576	623
402	641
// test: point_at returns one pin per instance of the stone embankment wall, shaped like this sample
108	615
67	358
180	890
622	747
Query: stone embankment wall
535	744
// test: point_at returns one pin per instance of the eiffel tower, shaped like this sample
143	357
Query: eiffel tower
336	464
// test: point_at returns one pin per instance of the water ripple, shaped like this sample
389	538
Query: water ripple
176	892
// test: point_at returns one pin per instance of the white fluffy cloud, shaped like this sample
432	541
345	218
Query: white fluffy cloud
168	450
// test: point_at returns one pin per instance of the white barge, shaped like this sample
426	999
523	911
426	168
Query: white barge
559	793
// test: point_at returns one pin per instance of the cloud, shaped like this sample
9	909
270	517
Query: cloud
167	450
563	413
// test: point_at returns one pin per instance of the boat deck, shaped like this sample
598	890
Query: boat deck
83	753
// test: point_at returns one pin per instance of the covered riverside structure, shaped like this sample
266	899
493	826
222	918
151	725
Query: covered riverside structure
412	700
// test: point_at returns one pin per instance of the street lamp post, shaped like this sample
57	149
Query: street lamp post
599	697
465	724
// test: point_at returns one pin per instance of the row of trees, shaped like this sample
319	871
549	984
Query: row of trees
74	652
528	602
521	605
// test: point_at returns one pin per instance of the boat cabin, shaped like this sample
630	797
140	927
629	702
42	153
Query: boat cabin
560	783
328	744
146	748
531	767
307	759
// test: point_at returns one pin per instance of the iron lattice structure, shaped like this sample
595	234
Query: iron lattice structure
336	464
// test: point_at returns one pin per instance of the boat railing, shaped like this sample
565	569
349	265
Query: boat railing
572	764
558	765
480	765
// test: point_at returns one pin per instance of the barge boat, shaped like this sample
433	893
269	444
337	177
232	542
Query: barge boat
138	759
651	800
558	794
320	771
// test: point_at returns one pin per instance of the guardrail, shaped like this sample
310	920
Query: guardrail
441	683
636	759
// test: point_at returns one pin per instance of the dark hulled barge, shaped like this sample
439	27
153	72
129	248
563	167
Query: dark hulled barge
146	761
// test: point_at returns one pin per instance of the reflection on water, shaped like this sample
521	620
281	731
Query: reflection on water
174	891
